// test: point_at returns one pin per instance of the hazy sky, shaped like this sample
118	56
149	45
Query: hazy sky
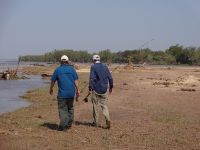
40	26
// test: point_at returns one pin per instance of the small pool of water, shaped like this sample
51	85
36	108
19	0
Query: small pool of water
10	90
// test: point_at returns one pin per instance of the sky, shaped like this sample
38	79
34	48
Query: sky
35	27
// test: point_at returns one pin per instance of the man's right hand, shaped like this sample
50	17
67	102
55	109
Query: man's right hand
51	91
77	93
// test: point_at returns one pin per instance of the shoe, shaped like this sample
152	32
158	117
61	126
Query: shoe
60	128
107	124
68	127
94	124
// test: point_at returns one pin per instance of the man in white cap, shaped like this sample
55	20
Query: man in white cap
100	76
67	80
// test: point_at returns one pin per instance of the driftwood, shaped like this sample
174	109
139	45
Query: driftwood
10	74
5	75
44	75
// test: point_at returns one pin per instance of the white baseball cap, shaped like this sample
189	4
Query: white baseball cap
64	58
96	57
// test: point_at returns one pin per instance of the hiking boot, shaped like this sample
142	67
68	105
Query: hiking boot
107	124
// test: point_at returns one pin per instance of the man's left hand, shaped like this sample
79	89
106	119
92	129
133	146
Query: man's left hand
110	91
51	91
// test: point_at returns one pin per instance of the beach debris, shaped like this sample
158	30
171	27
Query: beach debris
38	64
125	83
11	75
165	83
45	75
8	74
5	75
188	89
196	70
38	116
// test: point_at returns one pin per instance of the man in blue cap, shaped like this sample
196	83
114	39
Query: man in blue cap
67	80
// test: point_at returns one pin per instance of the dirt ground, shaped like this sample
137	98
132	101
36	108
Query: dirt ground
151	108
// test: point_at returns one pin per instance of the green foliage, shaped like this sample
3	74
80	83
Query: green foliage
182	55
106	55
176	54
160	57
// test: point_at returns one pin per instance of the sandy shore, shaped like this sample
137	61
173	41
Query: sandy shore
150	108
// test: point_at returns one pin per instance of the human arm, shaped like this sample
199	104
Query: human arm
110	80
76	88
53	81
51	87
75	77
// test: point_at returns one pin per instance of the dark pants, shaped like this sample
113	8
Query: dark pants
66	112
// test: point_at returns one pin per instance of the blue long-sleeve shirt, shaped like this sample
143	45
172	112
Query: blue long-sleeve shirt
100	76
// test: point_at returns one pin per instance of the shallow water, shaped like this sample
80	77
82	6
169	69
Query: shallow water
10	90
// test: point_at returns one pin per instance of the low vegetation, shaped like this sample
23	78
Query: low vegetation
173	55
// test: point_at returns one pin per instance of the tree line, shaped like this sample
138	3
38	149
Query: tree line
175	54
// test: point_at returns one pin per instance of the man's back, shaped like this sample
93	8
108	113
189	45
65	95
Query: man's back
65	76
99	78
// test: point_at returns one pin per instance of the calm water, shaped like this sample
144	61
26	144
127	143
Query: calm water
12	64
10	90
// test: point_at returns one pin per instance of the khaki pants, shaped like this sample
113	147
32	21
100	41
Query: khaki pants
100	100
